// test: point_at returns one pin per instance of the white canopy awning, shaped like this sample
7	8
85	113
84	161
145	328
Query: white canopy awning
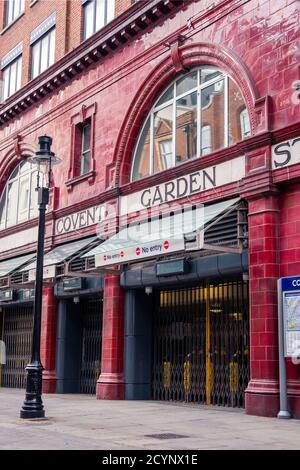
10	265
58	255
159	236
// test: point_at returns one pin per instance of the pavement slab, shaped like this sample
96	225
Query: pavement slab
84	423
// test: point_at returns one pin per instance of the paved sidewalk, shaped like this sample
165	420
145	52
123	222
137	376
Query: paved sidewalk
82	422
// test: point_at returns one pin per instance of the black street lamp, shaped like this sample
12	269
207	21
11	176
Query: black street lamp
33	404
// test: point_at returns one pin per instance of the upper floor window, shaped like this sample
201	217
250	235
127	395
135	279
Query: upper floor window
43	53
97	13
11	78
85	154
13	8
18	201
198	114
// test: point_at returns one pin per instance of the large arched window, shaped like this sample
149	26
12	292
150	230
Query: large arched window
201	112
18	202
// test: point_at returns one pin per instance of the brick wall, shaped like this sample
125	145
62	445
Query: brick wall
290	231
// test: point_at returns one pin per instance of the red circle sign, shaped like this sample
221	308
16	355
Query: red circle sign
166	245
105	258
138	251
122	254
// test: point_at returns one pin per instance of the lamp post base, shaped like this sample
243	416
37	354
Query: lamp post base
33	404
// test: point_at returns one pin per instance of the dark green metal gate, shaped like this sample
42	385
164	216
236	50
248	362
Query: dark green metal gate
17	336
91	311
201	344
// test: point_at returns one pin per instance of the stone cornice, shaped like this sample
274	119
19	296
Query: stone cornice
107	41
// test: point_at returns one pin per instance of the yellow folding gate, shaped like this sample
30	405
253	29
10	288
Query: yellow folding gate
201	344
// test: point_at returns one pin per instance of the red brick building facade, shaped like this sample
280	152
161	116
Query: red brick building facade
110	82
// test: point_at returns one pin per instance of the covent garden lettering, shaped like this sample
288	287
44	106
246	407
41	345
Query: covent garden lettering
78	220
187	185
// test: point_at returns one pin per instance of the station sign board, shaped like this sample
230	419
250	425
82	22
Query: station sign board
48	273
139	251
289	304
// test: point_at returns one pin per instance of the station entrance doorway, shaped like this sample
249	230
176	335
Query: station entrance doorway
201	344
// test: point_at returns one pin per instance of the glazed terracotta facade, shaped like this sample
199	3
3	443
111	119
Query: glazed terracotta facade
258	43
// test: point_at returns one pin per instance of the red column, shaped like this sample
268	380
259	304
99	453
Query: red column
110	385
262	394
48	339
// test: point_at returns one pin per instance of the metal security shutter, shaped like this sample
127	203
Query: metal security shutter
17	335
91	311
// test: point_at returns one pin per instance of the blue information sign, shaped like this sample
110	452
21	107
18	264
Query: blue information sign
289	305
290	283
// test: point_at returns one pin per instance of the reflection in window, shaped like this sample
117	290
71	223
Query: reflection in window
203	111
212	113
141	167
245	123
206	140
19	198
163	128
186	127
239	124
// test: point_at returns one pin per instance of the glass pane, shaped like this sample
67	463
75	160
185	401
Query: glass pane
44	53
166	153
100	14
186	127
206	140
167	96
88	19
212	113
34	196
12	200
163	130
24	167
85	163
245	123
209	73
236	105
5	84
36	59
188	82
141	166
110	10
24	189
2	209
17	8
13	78
52	48
10	12
19	73
86	138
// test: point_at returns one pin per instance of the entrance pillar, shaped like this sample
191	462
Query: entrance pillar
110	385
262	393
48	340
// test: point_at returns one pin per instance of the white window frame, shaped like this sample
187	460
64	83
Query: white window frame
31	209
87	151
102	12
222	76
13	9
245	128
8	87
50	36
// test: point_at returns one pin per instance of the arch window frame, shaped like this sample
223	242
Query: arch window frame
222	76
30	211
